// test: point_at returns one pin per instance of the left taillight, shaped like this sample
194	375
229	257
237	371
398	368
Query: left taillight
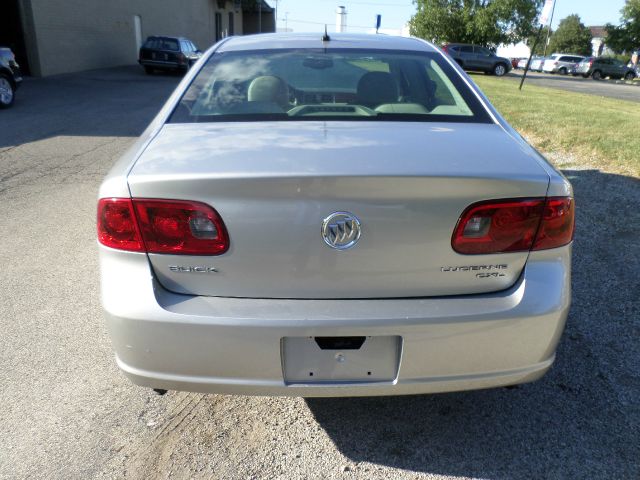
162	226
117	226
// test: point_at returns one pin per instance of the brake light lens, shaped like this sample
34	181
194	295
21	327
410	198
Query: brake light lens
502	226
117	227
557	225
169	226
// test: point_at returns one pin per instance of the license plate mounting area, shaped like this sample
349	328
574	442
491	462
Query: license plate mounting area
351	359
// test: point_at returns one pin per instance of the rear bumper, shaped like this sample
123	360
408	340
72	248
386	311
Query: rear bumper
227	345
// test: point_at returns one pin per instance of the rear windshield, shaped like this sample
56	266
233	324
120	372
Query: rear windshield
344	84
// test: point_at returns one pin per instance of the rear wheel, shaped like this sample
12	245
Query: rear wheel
500	69
629	76
148	70
7	91
596	75
562	71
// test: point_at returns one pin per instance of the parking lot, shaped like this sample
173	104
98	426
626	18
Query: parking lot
69	413
604	88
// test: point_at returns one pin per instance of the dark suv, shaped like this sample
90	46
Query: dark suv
168	53
10	77
474	57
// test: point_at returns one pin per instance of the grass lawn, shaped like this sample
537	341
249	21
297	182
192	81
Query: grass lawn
595	131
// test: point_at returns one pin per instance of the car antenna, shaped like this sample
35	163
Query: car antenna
325	37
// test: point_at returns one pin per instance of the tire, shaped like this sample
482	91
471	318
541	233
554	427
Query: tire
7	91
562	71
629	76
148	70
585	75
596	75
500	70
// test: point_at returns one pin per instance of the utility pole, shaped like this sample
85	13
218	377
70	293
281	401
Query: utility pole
546	43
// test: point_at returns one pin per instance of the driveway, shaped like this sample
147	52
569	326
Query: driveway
604	88
68	413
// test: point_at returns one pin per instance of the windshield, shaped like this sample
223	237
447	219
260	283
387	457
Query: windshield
344	84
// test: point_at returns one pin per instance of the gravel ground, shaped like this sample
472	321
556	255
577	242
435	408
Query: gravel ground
68	413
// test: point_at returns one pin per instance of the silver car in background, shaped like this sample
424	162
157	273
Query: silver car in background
561	63
336	216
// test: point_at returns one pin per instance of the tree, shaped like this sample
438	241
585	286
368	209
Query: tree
571	36
483	22
626	36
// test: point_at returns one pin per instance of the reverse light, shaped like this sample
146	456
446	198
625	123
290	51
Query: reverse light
501	226
163	226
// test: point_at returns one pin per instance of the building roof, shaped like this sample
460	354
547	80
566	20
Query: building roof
314	40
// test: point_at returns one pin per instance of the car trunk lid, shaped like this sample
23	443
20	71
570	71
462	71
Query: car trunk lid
275	183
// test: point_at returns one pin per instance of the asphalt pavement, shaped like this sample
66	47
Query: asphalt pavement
602	88
67	412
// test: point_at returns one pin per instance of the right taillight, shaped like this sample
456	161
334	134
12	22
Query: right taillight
161	226
501	226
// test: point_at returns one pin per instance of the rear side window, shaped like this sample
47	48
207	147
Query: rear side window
343	84
466	49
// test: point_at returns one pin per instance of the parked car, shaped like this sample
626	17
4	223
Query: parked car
168	53
561	63
602	67
476	58
537	64
522	63
10	77
333	217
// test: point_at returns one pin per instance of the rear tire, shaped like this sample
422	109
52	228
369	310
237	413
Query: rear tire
148	70
629	76
596	75
562	71
500	70
7	91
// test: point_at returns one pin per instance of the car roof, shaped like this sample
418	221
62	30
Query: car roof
269	41
166	37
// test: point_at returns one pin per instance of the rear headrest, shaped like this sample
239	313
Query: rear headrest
375	88
268	88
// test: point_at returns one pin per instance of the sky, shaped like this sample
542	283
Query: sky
311	15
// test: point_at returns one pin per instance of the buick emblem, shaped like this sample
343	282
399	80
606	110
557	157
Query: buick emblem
341	230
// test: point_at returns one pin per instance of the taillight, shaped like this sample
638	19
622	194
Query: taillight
182	58
173	226
557	225
502	226
117	227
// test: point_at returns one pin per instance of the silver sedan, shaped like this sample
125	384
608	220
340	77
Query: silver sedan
333	216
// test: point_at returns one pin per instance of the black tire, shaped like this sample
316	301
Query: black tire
148	70
585	75
7	91
596	75
500	70
562	71
629	76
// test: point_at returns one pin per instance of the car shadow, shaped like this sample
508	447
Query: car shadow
579	421
114	102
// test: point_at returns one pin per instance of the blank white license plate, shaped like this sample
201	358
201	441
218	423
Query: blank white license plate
340	359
